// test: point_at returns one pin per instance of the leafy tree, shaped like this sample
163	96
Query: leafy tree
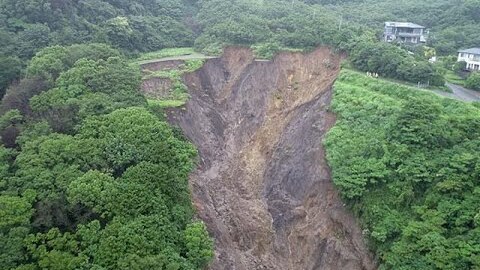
33	37
10	70
266	50
48	63
394	62
9	127
18	95
12	252
119	31
93	190
15	211
199	245
54	250
43	165
88	87
473	81
460	66
472	8
51	61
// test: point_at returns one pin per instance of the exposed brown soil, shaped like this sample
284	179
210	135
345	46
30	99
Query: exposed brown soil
162	65
263	185
156	87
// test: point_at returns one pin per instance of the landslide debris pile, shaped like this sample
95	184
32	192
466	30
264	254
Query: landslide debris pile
263	185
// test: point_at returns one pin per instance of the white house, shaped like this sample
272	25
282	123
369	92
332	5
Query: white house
405	32
472	57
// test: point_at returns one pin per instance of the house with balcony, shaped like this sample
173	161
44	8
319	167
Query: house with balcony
471	57
405	32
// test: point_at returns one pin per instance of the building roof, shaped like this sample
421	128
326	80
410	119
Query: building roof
404	24
471	50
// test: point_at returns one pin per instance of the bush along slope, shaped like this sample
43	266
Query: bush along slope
93	179
407	164
473	81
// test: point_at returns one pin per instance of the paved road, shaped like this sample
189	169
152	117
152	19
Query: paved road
460	93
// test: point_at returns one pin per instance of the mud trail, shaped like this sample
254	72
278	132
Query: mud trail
263	186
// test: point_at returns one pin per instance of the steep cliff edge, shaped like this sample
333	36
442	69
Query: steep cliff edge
263	185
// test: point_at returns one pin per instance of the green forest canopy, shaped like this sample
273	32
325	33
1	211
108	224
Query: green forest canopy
407	163
92	178
145	25
27	26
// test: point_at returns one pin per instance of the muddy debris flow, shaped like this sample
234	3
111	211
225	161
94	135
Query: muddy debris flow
263	186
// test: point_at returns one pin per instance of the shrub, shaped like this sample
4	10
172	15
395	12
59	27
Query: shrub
473	81
460	66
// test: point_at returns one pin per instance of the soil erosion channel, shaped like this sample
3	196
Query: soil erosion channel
263	186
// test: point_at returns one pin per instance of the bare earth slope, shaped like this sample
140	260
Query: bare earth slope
263	185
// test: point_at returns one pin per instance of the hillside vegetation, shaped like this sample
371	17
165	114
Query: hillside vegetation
134	27
453	24
27	26
407	163
92	178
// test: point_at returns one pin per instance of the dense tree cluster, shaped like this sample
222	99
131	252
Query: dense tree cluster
395	62
270	23
407	164
29	25
275	25
91	179
453	24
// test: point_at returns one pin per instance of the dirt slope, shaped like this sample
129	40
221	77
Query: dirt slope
263	185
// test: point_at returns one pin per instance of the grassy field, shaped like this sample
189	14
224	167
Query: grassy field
169	52
165	103
348	66
454	78
357	78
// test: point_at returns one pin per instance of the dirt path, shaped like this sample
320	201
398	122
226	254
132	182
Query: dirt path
193	56
263	185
